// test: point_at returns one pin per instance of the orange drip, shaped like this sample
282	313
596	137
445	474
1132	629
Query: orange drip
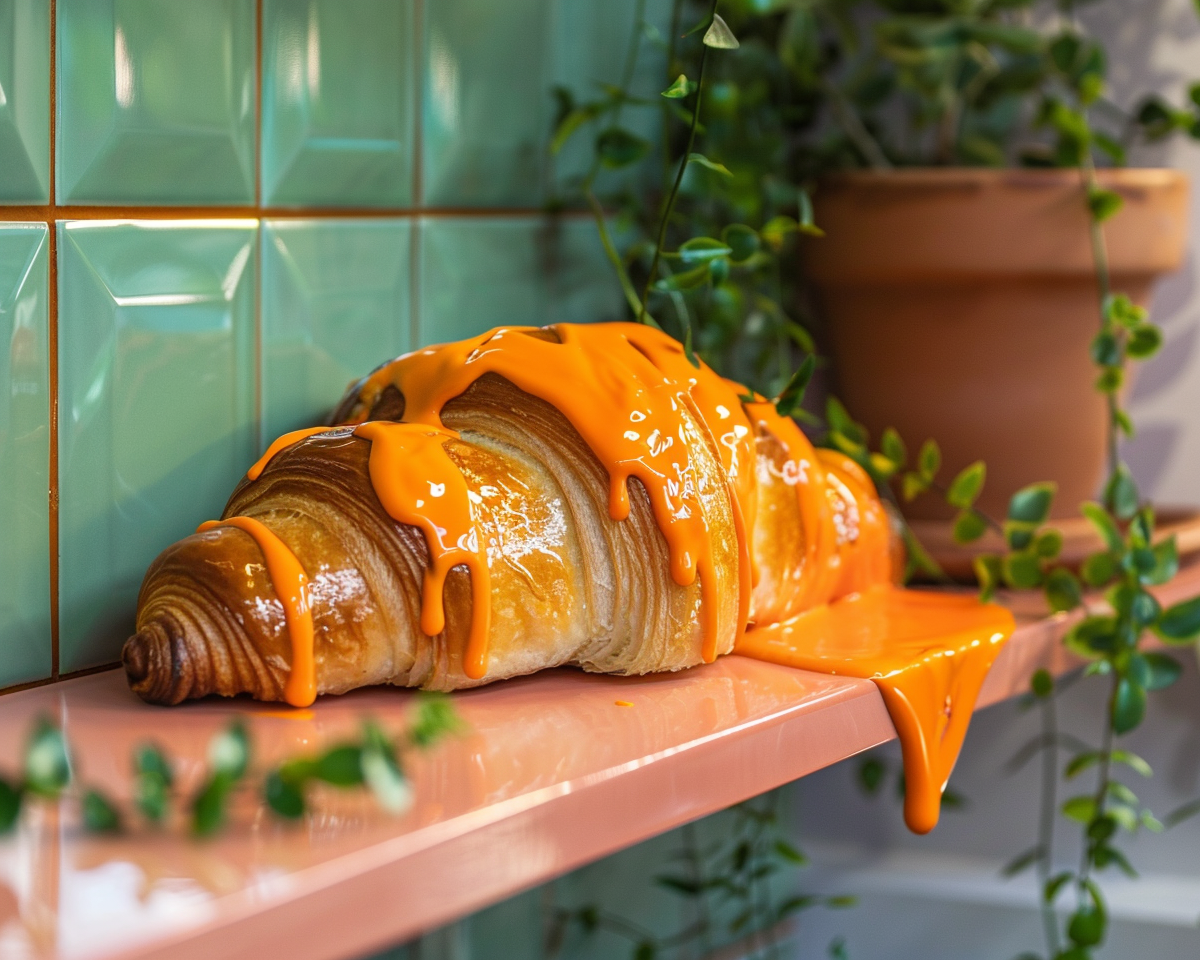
418	484
291	587
281	444
623	386
927	652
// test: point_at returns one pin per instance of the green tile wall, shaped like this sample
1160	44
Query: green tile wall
24	453
156	406
156	101
335	302
24	101
339	84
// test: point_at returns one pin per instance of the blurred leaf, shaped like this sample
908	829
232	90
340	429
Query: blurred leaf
1181	622
742	242
1041	683
989	571
700	249
930	459
340	766
209	805
702	160
1105	525
1129	705
152	782
870	775
1022	861
283	796
1164	670
1080	809
435	718
686	280
790	853
719	36
10	805
1063	591
966	486
1098	569
47	768
619	148
681	88
969	526
1121	493
1144	342
793	394
229	751
893	447
99	815
1032	504
1022	570
382	773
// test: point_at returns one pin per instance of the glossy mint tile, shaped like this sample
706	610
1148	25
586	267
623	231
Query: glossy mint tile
335	304
156	101
24	454
591	43
487	103
156	405
24	101
338	88
478	273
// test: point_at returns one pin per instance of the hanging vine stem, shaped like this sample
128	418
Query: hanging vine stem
669	207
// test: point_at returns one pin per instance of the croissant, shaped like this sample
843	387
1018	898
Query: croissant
532	497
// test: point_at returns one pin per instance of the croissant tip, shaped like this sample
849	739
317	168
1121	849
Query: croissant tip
142	657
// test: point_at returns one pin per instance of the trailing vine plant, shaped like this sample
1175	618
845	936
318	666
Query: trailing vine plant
372	760
825	84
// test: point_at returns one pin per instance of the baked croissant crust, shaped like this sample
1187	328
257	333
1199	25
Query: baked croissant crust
530	498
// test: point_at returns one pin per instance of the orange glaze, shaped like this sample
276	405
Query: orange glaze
927	652
623	386
291	586
418	484
280	444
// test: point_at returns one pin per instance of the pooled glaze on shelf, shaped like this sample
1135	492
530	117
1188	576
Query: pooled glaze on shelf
642	408
928	653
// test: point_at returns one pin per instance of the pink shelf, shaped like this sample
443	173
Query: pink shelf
552	775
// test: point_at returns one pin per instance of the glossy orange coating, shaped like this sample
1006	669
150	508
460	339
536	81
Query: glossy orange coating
928	653
418	484
624	388
291	587
282	443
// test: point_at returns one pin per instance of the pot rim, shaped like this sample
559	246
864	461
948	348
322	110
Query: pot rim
960	177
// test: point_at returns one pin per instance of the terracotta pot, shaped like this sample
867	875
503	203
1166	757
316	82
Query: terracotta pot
961	305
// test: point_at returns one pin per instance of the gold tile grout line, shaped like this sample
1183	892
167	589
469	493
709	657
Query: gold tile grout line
52	350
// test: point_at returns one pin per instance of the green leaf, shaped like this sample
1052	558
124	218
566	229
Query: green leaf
569	124
743	244
10	805
1049	544
969	526
912	485
776	230
966	487
1042	683
701	249
892	446
702	160
1133	762
842	902
1129	705
807	223
871	773
989	571
1023	570
841	422
1105	525
1180	623
681	885
1087	926
1081	809
1119	309
790	853
1164	670
719	36
919	558
1057	882
1019	534
645	950
284	796
1166	563
1082	762
1092	637
1098	569
929	460
209	805
340	766
434	720
681	88
99	814
1032	504
792	395
1103	204
229	751
687	280
152	782
1110	379
1144	342
47	768
1063	591
1106	349
387	781
1022	861
1121	493
619	148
